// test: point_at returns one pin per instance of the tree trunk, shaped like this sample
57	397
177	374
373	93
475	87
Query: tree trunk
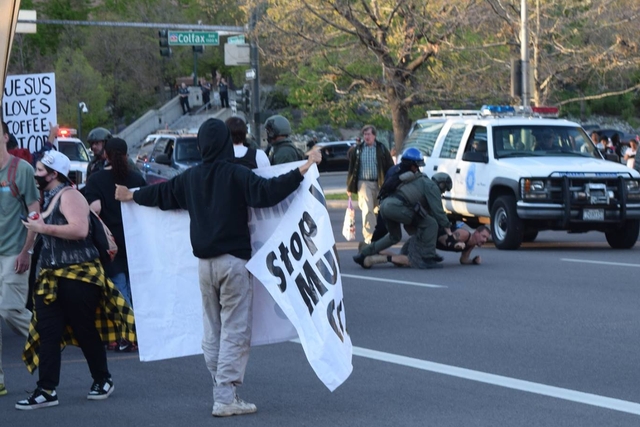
401	123
399	111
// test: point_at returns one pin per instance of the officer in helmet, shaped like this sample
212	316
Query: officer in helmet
282	149
416	202
96	140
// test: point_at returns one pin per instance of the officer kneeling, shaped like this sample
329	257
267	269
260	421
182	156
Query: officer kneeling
415	202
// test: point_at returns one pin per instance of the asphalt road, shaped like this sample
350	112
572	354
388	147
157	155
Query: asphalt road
542	336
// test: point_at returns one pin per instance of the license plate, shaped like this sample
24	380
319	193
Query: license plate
593	214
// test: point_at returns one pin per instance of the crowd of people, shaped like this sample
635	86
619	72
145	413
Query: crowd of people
74	297
220	95
78	298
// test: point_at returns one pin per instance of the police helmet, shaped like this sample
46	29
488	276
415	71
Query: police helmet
412	155
443	180
277	126
97	135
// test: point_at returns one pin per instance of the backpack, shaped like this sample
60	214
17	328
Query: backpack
11	178
391	181
102	238
22	153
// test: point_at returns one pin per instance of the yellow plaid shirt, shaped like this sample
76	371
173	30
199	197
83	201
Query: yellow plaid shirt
114	317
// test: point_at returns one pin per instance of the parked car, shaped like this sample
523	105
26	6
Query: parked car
624	136
75	150
591	127
334	155
167	156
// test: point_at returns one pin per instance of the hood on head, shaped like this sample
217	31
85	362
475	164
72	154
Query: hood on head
214	141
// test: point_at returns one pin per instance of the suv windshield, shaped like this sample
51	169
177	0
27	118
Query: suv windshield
187	150
424	138
73	150
532	140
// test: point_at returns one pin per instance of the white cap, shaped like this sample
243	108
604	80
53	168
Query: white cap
57	161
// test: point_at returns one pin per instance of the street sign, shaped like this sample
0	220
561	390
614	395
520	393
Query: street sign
26	15
250	74
236	39
193	38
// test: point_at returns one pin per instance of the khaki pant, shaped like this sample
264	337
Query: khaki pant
227	298
13	298
368	202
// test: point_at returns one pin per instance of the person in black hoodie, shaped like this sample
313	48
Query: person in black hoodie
217	194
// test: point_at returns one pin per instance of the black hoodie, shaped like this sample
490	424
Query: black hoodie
217	193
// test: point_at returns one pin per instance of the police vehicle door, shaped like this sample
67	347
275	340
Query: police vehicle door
471	181
446	162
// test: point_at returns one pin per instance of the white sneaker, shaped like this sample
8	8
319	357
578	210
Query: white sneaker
237	407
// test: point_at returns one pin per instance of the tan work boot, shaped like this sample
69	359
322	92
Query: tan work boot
374	259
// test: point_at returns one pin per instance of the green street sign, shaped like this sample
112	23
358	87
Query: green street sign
236	40
193	38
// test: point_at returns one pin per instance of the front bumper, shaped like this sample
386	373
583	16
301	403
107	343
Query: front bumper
552	211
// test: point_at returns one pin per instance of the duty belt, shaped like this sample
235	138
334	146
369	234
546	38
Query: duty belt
401	198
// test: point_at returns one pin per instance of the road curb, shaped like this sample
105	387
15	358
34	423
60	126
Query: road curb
337	204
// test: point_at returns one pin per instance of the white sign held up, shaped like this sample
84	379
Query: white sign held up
28	106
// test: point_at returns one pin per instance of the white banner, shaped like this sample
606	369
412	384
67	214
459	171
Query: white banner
166	295
29	105
298	265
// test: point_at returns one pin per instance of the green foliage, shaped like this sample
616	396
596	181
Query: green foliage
613	105
77	81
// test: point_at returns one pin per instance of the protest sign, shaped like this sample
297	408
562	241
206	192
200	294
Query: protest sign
299	267
29	105
164	283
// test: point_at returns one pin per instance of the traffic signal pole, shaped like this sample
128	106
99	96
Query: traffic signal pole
255	65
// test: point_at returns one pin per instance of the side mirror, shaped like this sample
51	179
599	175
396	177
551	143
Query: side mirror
475	156
163	159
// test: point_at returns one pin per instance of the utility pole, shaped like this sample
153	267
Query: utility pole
524	54
255	91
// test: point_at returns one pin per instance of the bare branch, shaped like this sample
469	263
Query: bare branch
599	96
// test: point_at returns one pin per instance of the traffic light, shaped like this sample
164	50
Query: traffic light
197	49
165	50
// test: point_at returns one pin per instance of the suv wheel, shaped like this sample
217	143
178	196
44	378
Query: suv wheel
624	237
506	227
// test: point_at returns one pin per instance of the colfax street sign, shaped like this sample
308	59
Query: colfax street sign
193	38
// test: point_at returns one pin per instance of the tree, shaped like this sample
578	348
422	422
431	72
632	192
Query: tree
577	46
374	49
77	81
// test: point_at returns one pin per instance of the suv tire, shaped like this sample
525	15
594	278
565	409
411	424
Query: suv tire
506	226
624	237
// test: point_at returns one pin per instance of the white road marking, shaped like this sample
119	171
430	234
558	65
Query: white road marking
618	264
500	381
402	282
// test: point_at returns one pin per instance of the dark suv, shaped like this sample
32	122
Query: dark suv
168	156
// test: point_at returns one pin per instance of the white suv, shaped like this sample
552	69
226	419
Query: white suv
523	174
75	150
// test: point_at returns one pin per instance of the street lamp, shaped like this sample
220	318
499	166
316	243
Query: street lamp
82	108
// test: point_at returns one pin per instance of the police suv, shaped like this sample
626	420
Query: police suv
525	172
72	147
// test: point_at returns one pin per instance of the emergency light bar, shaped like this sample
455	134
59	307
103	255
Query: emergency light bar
545	111
497	110
66	132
